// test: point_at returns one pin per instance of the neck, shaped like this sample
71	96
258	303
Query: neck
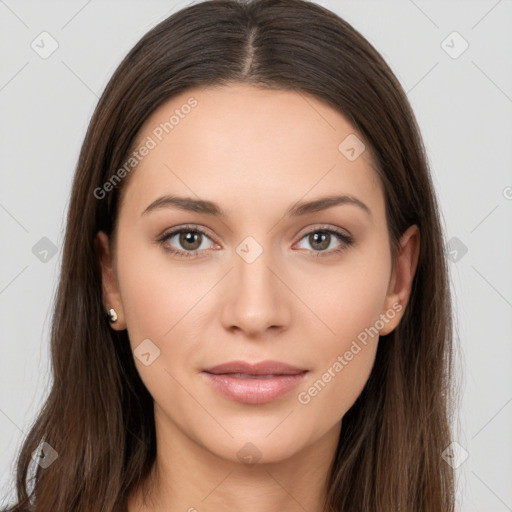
188	477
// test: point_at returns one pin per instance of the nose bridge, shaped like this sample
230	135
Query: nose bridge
251	269
254	301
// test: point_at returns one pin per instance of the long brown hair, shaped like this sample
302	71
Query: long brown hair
98	416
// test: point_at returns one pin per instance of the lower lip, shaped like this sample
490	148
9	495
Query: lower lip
254	390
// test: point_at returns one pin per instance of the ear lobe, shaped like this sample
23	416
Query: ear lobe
404	270
110	289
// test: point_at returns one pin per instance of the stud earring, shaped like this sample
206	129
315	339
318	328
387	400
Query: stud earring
112	316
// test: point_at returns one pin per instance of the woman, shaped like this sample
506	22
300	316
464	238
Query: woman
254	309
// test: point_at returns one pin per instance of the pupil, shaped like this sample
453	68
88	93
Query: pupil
314	239
190	238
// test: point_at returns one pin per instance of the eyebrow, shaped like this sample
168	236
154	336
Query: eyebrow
210	208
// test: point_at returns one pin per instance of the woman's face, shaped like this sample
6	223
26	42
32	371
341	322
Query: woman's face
268	278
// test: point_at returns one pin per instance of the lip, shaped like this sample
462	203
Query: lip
257	383
267	367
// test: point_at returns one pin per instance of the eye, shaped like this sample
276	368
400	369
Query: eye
190	242
186	242
325	241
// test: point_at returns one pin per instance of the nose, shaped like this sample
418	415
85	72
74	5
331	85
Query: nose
255	300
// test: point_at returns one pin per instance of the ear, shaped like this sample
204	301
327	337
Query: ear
110	287
400	283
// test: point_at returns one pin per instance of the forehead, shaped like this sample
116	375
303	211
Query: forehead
238	142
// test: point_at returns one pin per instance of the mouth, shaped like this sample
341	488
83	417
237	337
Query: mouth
254	383
268	368
249	376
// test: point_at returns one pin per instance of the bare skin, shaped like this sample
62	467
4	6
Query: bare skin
255	153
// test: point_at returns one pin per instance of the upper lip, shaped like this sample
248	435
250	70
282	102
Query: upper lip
262	368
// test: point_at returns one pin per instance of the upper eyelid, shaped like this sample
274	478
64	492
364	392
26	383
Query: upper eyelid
205	231
187	227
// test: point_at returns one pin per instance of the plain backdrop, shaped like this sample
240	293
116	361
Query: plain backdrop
454	60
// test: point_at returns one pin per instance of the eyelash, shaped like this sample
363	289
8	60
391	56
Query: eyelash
346	241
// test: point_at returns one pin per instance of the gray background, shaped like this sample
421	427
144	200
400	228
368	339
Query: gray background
463	104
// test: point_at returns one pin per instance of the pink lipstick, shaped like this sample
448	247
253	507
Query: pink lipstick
257	383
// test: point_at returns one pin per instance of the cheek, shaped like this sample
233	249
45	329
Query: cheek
334	388
349	302
347	298
157	294
160	302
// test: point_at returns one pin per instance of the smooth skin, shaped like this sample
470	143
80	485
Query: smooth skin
255	153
